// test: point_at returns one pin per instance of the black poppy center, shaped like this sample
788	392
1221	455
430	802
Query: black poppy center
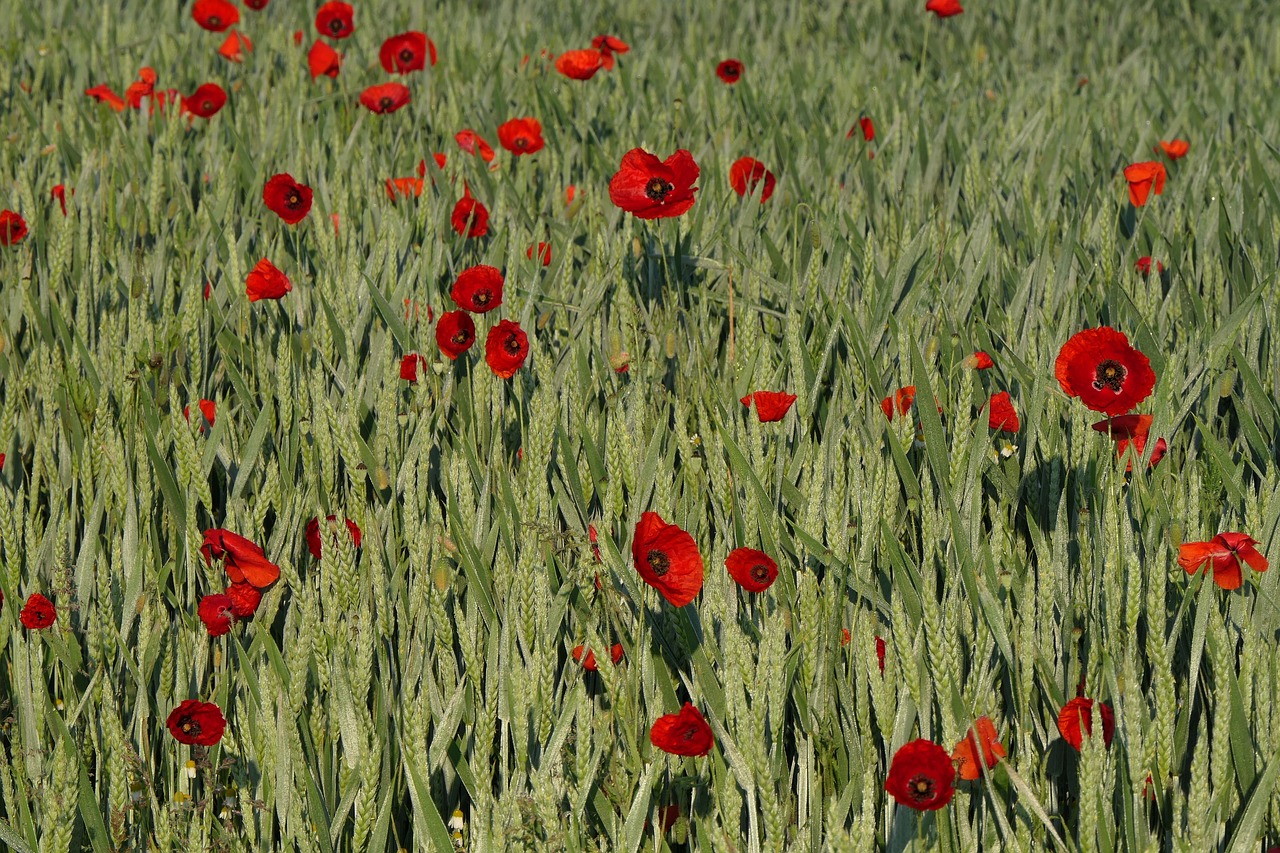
335	26
522	142
387	102
190	726
921	788
293	199
208	106
512	345
731	71
760	573
1110	374
215	21
657	189
690	732
481	298
406	55
460	337
659	562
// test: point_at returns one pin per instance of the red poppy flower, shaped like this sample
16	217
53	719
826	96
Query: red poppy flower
215	15
685	733
589	661
1075	722
652	188
1002	416
196	723
1175	150
981	740
867	127
245	598
667	559
287	198
404	186
1224	552
473	143
13	228
746	173
881	648
334	20
921	776
59	192
1132	429
385	97
542	251
38	613
322	59
455	333
256	5
1143	178
754	571
1143	266
235	47
521	135
215	612
313	533
980	360
407	52
770	405
205	101
244	560
579	64
470	218
265	281
103	94
506	348
140	88
570	193
608	46
902	400
478	289
1108	375
298	35
944	8
729	70
207	408
409	367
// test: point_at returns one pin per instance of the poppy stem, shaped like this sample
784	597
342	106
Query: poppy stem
731	348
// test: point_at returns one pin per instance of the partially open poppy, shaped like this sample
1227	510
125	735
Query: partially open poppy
542	251
1143	178
685	733
385	97
312	533
196	723
980	750
205	101
215	15
470	218
1104	371
334	19
1075	722
473	143
1224	553
579	64
1001	415
478	289
409	367
244	560
455	333
215	612
902	400
867	127
754	571
521	135
235	47
667	559
323	60
245	598
38	613
1143	266
1175	150
506	349
588	660
13	228
608	46
729	70
207	408
944	8
103	94
921	776
979	360
140	88
287	198
746	173
770	405
59	194
1132	430
265	281
406	52
652	188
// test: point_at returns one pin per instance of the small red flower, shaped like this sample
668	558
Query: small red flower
215	612
729	70
103	94
265	281
1175	150
38	613
205	101
881	648
770	405
685	733
746	173
588	661
235	47
404	186
652	188
506	349
1225	553
579	64
215	15
245	598
59	193
196	723
1109	376
298	36
140	88
440	159
313	533
409	367
207	408
608	46
385	97
981	740
334	20
1132	429
921	776
322	59
455	333
244	560
902	400
406	52
980	360
478	289
1075	722
521	135
944	8
542	251
13	228
470	218
287	198
1002	416
667	559
1143	266
867	127
473	143
754	571
1143	178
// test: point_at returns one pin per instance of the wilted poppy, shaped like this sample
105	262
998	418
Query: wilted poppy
1143	266
729	70
322	59
215	15
608	46
1132	430
506	349
245	598
287	198
770	405
407	52
38	613
588	660
542	251
103	94
667	559
244	560
921	776
205	101
207	408
1075	722
981	740
521	135
478	289
652	188
196	723
684	733
754	571
404	186
1176	149
944	8
409	367
455	333
902	400
473	143
385	97
215	612
470	218
334	20
265	281
746	173
235	47
13	228
979	360
579	64
1225	553
1143	178
1001	415
1104	371
313	533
